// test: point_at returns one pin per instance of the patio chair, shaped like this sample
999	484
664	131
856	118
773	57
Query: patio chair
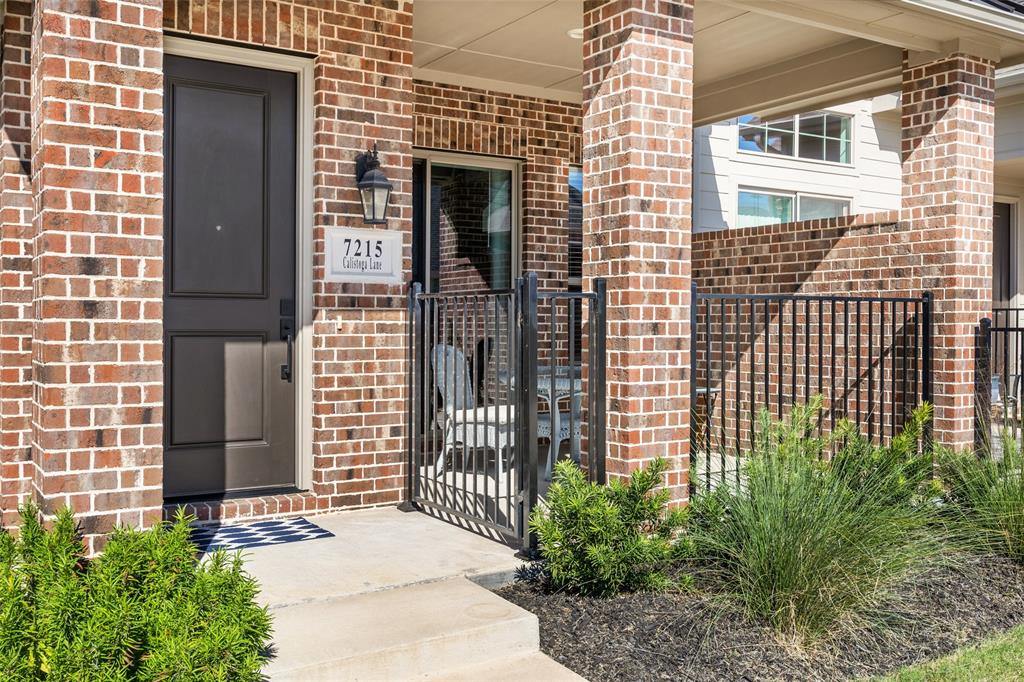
491	426
466	423
544	431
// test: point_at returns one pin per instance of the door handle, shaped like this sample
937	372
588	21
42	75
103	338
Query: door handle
288	336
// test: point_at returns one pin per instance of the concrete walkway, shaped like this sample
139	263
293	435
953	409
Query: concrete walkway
396	596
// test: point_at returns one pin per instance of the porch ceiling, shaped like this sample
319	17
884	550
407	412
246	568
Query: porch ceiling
766	56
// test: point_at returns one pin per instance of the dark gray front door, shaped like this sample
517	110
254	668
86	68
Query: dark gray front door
229	278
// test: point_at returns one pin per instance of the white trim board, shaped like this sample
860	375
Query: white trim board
302	67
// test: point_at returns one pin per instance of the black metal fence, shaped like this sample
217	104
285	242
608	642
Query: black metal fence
869	358
999	366
491	375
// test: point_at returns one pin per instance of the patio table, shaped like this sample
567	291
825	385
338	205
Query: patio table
560	386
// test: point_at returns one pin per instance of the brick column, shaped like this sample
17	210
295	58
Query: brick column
948	110
15	262
97	140
637	152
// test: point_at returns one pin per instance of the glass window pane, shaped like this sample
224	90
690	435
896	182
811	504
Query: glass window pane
780	142
757	208
752	139
812	124
575	224
822	207
835	150
471	228
781	123
838	127
812	147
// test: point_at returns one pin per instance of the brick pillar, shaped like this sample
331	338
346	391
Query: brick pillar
97	140
637	151
15	261
948	125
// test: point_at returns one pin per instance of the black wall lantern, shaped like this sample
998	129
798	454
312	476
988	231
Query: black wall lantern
374	187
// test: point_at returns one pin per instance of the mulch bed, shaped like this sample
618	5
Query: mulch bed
671	636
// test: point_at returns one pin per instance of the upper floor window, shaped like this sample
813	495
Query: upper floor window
819	135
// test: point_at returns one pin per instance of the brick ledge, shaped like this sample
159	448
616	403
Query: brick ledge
252	508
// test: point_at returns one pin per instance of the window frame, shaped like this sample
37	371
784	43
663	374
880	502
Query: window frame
795	195
795	119
467	160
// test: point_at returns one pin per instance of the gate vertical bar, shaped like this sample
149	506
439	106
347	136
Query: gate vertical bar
926	364
415	411
694	454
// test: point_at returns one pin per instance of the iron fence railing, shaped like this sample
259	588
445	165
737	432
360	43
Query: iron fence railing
490	374
869	358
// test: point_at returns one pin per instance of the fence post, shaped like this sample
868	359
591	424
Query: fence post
414	416
693	386
983	387
598	381
926	368
526	410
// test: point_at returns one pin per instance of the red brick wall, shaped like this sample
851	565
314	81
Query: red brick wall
97	137
544	134
638	149
845	255
15	262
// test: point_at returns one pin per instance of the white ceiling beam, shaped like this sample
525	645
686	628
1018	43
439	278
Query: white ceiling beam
842	73
807	14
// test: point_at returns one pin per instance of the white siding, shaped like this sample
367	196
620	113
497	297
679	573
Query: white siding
1009	131
872	182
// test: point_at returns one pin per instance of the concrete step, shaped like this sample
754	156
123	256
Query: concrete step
403	633
531	668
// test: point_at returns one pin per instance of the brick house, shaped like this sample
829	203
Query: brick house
176	174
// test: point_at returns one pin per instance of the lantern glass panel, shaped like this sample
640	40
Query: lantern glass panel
380	202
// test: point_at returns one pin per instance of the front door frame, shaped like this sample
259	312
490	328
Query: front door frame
302	67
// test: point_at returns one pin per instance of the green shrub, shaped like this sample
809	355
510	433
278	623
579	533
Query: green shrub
145	609
812	544
987	493
602	539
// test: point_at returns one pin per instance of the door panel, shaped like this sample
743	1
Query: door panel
204	416
223	147
229	289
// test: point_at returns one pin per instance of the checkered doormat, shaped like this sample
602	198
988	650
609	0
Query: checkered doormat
258	534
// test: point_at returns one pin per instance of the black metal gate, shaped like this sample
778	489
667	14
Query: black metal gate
490	375
999	367
869	358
